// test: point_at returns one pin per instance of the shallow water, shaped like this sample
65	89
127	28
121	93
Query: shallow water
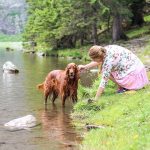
19	97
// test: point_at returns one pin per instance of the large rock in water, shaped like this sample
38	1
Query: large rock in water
25	122
9	67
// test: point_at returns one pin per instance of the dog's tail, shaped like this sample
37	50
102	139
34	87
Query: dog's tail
40	87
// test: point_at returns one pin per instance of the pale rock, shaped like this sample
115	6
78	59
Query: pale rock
21	123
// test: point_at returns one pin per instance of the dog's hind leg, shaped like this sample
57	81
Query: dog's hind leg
47	93
55	95
46	97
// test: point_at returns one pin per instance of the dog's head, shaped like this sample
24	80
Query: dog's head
72	71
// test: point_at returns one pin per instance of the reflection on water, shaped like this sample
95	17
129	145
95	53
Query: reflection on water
56	124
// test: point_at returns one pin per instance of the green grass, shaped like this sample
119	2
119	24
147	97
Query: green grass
10	38
137	32
126	118
144	54
81	53
147	18
140	31
146	50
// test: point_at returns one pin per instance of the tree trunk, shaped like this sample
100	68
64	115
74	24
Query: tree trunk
82	40
117	31
137	11
94	33
108	22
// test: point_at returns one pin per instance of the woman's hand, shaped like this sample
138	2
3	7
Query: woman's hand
99	93
82	68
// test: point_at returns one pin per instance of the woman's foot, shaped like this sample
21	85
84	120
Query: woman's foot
122	90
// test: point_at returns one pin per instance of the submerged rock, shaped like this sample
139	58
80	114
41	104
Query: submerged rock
94	70
9	67
23	123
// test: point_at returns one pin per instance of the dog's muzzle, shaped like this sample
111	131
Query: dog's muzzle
71	75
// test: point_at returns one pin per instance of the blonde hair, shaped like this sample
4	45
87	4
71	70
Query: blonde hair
97	52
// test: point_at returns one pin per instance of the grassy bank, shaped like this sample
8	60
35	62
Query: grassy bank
10	38
125	118
80	53
13	42
144	54
11	45
140	31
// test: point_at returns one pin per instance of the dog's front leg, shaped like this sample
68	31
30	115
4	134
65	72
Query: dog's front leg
74	96
63	99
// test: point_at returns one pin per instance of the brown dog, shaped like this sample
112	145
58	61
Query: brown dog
63	83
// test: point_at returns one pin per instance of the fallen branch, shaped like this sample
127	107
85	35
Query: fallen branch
89	127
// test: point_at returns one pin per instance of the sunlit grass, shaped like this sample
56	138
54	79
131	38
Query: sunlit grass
126	118
140	31
81	52
144	54
137	32
147	18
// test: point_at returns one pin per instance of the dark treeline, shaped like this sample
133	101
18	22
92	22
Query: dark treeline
68	23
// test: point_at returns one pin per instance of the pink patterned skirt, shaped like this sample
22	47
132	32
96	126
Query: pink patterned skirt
134	80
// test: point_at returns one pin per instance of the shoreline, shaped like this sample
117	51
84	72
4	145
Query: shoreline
11	45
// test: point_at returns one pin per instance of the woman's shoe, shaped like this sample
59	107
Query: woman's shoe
122	90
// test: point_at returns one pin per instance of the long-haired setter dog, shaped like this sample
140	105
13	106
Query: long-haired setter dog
63	83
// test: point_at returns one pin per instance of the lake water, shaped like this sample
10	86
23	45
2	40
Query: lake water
19	97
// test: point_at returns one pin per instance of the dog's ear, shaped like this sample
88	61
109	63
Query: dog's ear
67	73
76	69
77	72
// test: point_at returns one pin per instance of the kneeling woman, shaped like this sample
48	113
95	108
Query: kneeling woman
119	65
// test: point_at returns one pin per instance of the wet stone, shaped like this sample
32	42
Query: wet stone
1	143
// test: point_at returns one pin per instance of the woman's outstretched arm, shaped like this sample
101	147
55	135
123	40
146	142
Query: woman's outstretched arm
88	66
91	64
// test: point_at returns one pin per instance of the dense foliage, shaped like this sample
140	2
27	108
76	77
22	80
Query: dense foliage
71	23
